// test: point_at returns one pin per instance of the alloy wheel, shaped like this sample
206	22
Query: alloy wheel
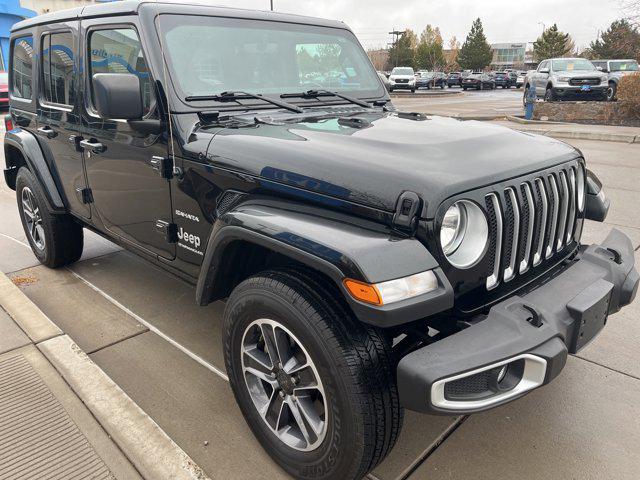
284	384
33	218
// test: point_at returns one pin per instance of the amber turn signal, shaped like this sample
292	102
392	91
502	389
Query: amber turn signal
363	291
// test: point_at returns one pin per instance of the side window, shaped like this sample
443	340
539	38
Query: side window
119	51
58	68
542	65
22	67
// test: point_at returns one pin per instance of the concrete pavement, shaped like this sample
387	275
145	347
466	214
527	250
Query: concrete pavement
142	327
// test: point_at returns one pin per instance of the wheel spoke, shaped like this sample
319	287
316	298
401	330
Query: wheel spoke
299	418
283	346
272	412
270	343
262	375
309	414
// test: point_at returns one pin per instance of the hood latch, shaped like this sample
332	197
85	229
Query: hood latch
407	210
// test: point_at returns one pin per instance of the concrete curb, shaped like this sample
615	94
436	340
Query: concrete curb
576	135
137	435
25	313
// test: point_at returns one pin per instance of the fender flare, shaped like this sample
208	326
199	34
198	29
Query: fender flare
335	247
28	146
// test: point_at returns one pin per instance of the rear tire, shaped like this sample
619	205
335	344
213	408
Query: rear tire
354	366
56	239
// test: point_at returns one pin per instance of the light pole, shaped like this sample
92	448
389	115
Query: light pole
272	5
544	28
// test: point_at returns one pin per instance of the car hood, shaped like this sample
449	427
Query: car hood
373	158
580	74
401	77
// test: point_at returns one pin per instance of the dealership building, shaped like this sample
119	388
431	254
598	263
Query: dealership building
512	55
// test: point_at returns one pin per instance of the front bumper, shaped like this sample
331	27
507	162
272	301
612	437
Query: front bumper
530	334
577	92
406	86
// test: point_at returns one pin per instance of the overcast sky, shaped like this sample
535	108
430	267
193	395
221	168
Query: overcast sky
503	20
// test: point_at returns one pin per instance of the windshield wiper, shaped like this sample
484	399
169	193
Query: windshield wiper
235	96
326	93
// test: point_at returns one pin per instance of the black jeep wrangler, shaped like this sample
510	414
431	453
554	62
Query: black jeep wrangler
371	260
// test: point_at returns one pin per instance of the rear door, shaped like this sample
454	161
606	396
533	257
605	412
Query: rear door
540	79
130	197
58	118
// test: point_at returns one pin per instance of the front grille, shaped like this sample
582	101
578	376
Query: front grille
530	222
402	80
584	81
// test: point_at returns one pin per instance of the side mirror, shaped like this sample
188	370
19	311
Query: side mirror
544	70
117	96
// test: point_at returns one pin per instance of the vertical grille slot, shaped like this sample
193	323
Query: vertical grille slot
495	219
514	230
554	202
543	208
529	223
564	209
573	199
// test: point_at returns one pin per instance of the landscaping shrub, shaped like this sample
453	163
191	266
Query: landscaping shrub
629	95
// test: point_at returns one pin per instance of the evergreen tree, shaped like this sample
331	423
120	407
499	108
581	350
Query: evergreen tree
475	53
552	43
620	40
403	53
429	54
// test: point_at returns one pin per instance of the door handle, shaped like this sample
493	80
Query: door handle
92	146
48	131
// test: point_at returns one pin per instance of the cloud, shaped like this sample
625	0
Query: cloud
503	20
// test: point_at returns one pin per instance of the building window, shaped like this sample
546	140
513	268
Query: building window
22	67
58	68
120	51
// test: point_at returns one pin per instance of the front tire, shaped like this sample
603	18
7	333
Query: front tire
352	416
611	92
549	96
56	239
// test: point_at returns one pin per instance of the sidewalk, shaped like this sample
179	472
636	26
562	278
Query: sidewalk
575	130
61	417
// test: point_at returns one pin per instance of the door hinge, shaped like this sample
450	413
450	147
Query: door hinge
85	194
168	230
162	165
407	210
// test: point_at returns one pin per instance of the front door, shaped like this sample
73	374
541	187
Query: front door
130	197
58	118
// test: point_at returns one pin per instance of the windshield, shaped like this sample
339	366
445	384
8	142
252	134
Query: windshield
624	66
402	71
573	64
211	55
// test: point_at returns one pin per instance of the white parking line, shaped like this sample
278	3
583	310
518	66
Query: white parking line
9	237
152	328
138	318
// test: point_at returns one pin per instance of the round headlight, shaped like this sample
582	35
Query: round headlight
580	188
452	229
464	234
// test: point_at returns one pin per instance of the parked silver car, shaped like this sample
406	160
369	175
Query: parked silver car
568	78
615	70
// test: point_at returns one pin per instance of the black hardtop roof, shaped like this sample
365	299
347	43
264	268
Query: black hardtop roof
131	7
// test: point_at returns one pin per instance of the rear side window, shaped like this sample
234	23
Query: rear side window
119	51
58	68
22	67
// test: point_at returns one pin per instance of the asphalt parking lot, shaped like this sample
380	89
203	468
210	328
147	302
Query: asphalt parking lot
485	103
143	328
